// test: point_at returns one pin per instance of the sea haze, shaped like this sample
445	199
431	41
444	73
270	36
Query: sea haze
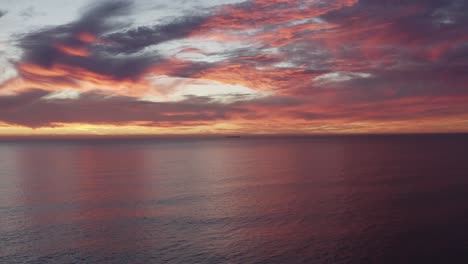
336	199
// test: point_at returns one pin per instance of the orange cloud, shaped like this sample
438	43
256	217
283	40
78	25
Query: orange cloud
87	37
259	13
74	51
65	77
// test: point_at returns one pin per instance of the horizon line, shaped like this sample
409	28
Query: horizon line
210	136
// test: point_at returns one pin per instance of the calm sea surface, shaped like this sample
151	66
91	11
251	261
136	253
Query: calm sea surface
374	199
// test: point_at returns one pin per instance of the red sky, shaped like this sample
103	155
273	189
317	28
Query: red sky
247	67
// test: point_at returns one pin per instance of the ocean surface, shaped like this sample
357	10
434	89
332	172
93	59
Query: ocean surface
338	199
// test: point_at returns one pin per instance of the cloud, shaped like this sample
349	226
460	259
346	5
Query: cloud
96	51
341	76
15	102
133	40
407	60
39	108
77	45
263	13
36	109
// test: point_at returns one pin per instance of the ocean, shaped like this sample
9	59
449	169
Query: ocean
324	199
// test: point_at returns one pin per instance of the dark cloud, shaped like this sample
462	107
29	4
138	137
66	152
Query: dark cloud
23	100
33	110
134	40
97	19
2	13
41	47
111	52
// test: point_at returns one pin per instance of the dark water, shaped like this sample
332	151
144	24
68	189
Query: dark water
385	199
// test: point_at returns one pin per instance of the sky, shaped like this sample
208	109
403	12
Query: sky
233	67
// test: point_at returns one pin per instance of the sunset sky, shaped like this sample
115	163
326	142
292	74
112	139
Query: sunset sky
232	66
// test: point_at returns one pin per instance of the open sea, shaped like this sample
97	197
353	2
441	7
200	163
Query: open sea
334	199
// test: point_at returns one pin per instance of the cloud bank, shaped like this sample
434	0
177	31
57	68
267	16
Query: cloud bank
305	64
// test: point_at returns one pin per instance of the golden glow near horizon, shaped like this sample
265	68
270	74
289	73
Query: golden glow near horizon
245	128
